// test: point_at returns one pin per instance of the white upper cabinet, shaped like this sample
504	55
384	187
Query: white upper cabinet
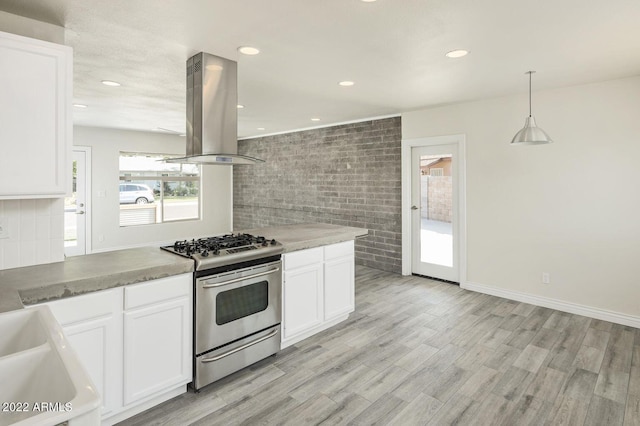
35	118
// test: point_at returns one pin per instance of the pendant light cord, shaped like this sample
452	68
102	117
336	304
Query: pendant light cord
530	72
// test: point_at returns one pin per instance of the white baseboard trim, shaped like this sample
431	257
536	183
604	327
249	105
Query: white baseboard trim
560	305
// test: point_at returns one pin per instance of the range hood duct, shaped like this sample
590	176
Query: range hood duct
212	122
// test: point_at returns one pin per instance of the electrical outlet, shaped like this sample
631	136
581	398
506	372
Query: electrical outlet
546	279
4	230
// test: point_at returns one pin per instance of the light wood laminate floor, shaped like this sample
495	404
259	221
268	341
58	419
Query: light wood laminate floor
418	352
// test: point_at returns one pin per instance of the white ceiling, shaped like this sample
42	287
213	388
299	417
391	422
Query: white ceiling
392	49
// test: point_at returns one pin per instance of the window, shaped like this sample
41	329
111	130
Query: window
152	191
436	171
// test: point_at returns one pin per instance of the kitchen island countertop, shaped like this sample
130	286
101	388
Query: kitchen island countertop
84	274
308	235
100	271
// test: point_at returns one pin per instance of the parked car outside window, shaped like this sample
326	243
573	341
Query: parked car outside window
131	193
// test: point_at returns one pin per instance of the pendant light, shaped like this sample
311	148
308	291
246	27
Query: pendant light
530	133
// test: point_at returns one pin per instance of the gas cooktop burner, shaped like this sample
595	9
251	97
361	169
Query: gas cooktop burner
213	245
224	249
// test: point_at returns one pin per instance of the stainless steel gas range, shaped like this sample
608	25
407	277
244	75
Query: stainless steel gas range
237	303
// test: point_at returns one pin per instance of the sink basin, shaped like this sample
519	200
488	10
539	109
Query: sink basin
20	331
42	380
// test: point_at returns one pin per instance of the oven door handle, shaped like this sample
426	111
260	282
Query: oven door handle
235	280
239	348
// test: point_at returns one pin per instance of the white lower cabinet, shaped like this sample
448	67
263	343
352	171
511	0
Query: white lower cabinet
305	286
135	342
93	325
338	287
157	339
318	290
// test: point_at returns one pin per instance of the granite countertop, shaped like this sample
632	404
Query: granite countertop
101	271
83	274
308	235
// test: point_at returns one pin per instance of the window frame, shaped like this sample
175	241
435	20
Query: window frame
135	178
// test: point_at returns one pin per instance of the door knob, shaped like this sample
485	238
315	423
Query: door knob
80	212
414	208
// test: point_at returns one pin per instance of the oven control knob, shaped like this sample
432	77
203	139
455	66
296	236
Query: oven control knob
216	252
273	242
204	253
265	243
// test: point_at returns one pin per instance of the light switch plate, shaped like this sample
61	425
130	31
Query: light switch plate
4	231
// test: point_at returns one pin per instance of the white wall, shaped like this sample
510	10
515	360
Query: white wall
106	145
570	208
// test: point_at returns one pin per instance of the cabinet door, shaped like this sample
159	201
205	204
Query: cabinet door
35	123
157	348
99	347
338	287
302	299
93	325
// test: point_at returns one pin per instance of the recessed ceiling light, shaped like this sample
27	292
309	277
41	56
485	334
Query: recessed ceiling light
79	105
367	1
110	83
346	83
457	53
315	119
240	106
261	128
248	50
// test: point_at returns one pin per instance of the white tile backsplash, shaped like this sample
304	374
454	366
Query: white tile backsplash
56	226
11	255
27	253
43	207
43	253
36	232
57	249
43	227
27	222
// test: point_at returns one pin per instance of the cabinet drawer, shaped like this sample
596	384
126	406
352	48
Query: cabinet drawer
87	306
298	259
338	250
157	291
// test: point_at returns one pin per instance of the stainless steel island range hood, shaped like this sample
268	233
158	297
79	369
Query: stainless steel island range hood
212	122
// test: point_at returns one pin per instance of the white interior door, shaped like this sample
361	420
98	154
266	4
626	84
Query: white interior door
434	211
76	207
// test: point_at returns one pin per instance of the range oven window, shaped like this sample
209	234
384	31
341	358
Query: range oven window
241	302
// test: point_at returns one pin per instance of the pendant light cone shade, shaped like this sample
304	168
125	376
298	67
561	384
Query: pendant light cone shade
530	134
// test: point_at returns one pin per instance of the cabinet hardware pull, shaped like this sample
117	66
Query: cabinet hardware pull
235	280
239	348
